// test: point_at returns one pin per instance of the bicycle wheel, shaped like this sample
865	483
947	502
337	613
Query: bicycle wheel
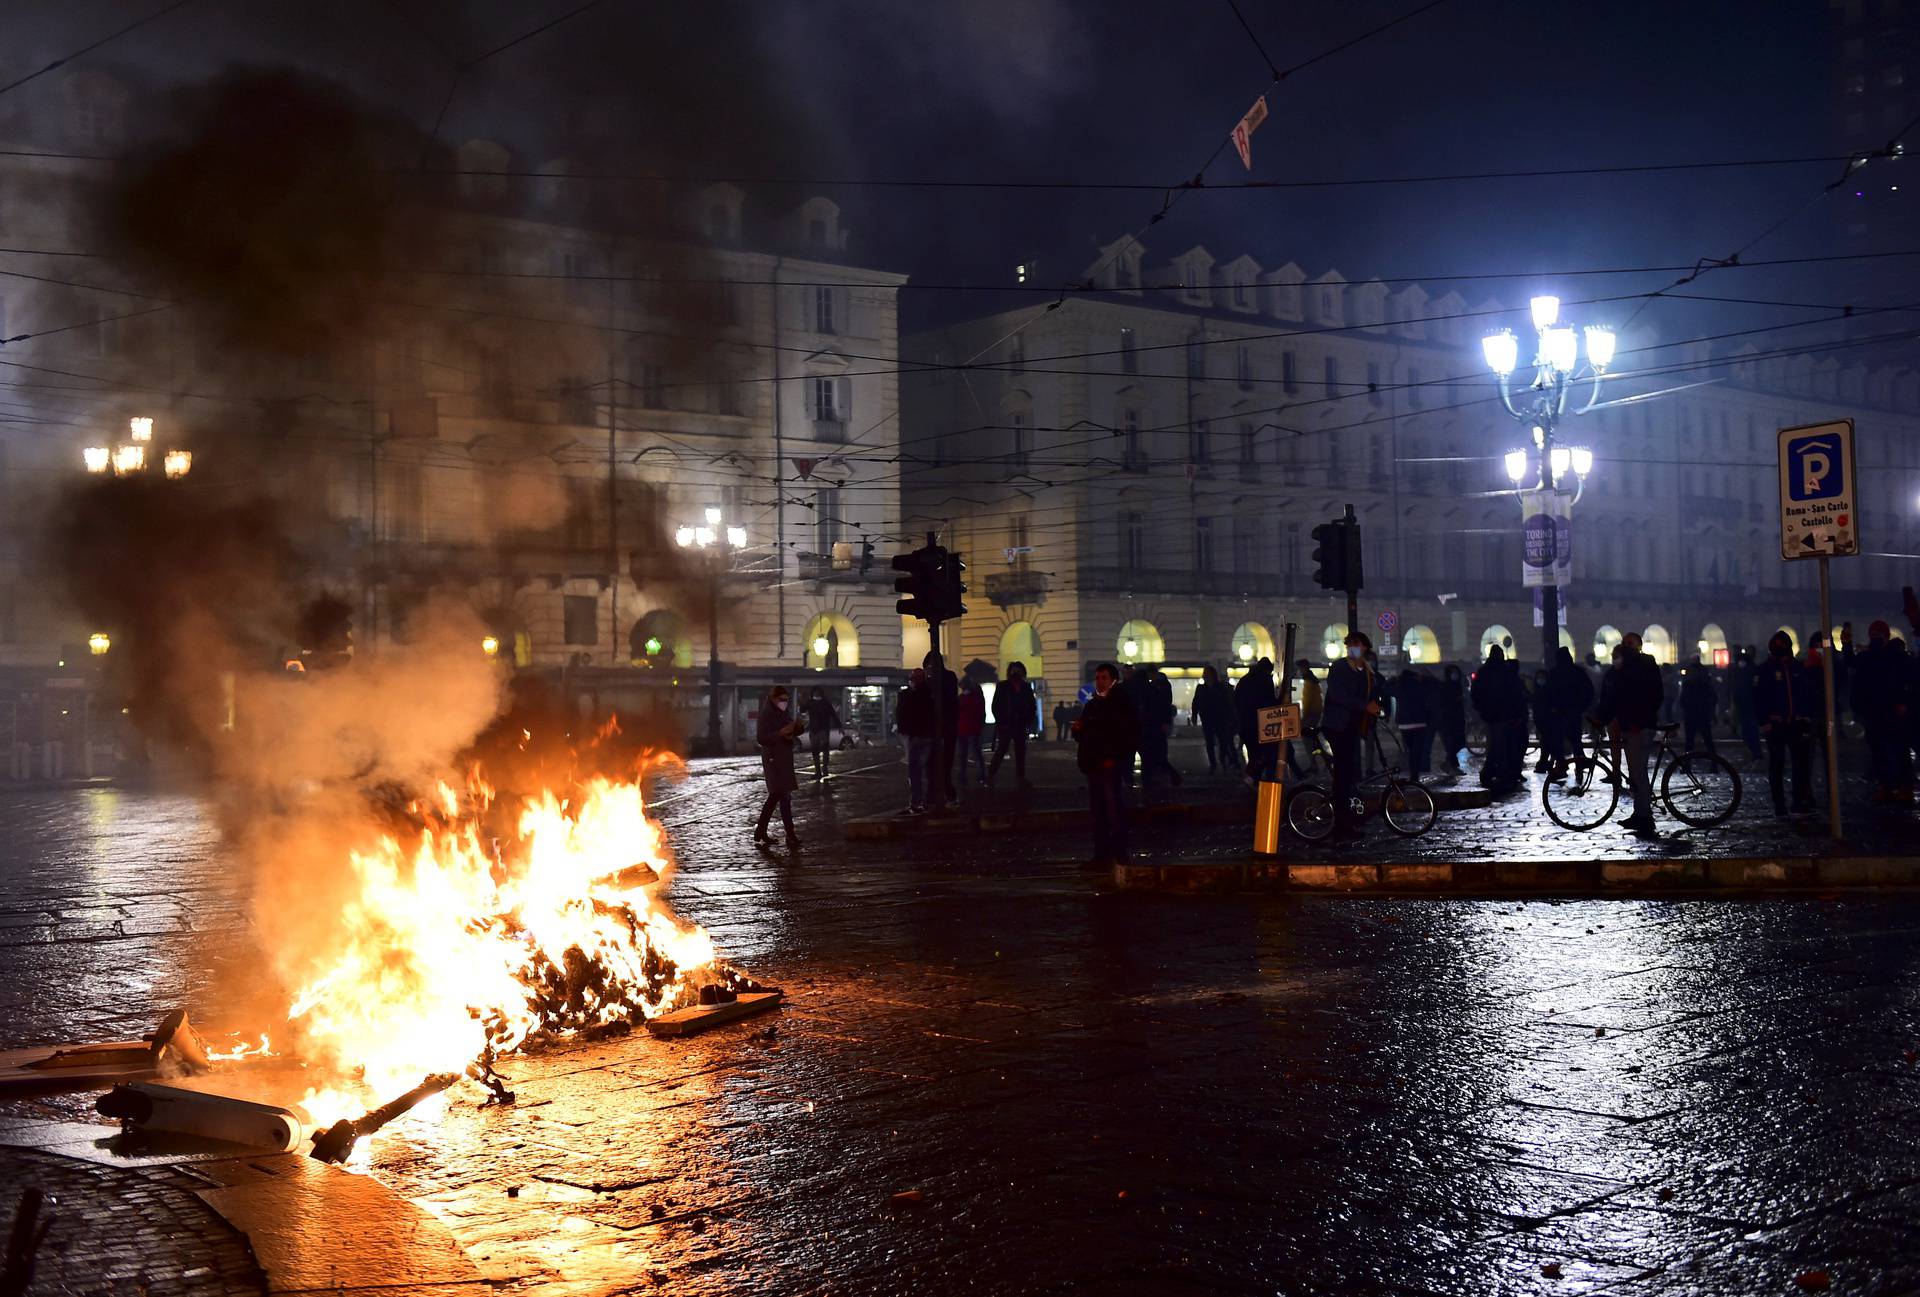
1310	813
1584	799
1407	808
1701	789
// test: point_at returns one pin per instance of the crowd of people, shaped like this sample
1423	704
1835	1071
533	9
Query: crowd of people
1124	724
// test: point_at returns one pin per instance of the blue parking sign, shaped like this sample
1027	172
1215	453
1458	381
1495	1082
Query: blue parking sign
1818	513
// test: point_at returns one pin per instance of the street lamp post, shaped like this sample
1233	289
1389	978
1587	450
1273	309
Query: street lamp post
1541	406
718	541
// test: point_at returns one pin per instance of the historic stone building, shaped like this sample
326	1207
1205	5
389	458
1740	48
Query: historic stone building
1135	474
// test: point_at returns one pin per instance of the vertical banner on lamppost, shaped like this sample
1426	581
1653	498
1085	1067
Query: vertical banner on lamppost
1546	532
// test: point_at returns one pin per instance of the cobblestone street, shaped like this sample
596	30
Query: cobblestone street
1082	1090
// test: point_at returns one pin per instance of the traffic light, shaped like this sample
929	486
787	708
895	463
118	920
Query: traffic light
925	570
1336	556
952	587
1330	555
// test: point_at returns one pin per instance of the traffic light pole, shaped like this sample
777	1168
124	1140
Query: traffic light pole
1352	539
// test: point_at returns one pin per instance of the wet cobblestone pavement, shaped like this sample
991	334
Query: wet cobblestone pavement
1096	1092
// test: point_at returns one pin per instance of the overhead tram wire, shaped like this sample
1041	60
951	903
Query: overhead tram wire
1855	163
84	50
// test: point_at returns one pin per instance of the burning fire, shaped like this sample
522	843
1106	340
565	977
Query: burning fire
485	928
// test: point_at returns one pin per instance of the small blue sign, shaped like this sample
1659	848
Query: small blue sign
1816	468
1086	692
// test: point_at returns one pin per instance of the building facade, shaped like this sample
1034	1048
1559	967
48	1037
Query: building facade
1136	475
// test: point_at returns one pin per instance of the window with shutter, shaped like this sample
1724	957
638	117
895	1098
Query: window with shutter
825	318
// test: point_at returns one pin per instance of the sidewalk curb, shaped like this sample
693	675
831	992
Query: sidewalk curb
1599	877
1069	819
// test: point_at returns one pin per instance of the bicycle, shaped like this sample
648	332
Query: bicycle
1407	807
1700	789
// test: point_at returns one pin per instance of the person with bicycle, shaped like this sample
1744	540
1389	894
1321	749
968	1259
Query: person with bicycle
1638	694
1352	703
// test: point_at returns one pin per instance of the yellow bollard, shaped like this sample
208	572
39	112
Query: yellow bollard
1269	799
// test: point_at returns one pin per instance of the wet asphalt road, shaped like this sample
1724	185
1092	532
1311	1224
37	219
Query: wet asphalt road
1112	1093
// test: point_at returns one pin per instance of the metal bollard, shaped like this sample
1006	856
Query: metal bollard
1268	806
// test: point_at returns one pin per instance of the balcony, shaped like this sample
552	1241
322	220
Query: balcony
833	430
1015	586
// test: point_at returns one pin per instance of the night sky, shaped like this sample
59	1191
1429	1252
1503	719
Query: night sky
1065	90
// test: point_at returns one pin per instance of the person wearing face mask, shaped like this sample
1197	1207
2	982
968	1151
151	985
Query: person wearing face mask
1352	702
775	731
1108	731
1879	700
1781	701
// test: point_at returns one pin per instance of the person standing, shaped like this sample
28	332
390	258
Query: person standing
822	721
1502	704
1450	716
1697	700
1352	702
1740	686
1213	708
1569	693
1153	697
1062	717
1253	692
1015	714
1413	709
1637	700
1780	699
913	718
775	732
1107	731
946	734
971	726
1880	703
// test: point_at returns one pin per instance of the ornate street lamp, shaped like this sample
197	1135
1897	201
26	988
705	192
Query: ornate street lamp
718	541
1541	406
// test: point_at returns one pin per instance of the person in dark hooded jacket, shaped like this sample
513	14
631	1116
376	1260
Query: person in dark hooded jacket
1569	693
1253	692
1450	715
1501	701
1783	702
1878	681
1413	699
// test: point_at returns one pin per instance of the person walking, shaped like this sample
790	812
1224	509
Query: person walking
1637	699
1569	692
1213	708
1413	698
1740	686
913	718
1253	692
1780	701
822	721
1312	710
971	728
1352	703
1062	717
1697	702
1153	699
1880	703
1016	712
1107	731
775	731
946	733
1450	716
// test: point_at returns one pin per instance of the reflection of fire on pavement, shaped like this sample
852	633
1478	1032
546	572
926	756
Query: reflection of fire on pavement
474	932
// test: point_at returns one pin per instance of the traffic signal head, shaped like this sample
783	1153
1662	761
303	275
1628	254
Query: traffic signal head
1330	556
952	587
923	571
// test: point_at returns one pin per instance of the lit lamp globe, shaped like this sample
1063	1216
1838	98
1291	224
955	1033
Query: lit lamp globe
1516	466
98	643
1560	348
1246	652
1582	461
1131	648
1502	350
98	459
653	646
1562	460
820	647
490	645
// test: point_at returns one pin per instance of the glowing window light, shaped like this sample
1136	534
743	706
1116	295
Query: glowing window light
178	463
98	458
737	537
140	427
129	459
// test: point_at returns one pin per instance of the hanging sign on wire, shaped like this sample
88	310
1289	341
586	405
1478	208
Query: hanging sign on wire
1244	129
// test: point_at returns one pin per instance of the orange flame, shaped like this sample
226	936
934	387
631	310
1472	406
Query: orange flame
460	945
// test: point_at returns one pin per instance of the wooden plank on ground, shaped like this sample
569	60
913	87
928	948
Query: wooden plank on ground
684	1022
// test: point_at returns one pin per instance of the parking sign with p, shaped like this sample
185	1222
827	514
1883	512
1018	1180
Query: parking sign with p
1817	514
